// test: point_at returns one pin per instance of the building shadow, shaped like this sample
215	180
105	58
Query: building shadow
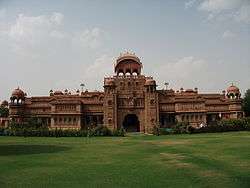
9	150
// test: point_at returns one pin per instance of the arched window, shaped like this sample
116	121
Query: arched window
120	74
134	74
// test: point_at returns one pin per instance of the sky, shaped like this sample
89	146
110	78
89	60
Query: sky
60	44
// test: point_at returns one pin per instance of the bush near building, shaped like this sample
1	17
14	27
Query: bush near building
34	127
224	126
219	126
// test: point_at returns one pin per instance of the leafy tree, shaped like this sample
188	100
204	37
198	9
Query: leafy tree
4	112
246	103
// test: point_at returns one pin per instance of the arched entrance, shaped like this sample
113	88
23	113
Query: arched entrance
131	123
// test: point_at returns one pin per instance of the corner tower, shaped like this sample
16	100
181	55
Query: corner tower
17	103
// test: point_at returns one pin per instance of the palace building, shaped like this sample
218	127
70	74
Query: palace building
129	100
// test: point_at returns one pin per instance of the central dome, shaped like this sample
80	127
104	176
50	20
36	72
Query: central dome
18	93
128	63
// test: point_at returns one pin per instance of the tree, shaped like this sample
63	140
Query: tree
4	112
246	103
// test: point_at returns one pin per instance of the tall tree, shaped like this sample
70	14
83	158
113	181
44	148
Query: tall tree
246	103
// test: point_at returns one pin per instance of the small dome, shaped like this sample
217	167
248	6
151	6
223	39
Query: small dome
128	63
128	55
233	89
58	93
150	82
18	93
233	92
109	82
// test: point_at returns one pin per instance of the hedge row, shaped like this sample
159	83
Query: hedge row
62	133
35	129
224	126
219	126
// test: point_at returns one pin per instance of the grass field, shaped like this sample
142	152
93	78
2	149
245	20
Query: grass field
202	160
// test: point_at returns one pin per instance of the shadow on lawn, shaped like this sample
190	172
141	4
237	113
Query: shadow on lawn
7	150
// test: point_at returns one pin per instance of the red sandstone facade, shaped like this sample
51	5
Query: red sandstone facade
129	100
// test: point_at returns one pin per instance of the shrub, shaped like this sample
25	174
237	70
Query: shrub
36	128
166	131
178	128
33	127
2	132
156	130
100	130
119	132
225	126
181	127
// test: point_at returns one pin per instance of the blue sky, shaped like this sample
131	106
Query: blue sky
59	44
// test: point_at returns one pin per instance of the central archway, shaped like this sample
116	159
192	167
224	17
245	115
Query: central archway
131	123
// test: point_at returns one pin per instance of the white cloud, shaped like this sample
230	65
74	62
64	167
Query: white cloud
35	36
228	34
226	10
38	45
30	28
102	66
94	73
58	34
219	5
191	72
243	14
183	69
57	18
185	66
190	3
89	38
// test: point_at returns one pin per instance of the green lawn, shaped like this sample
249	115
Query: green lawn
201	160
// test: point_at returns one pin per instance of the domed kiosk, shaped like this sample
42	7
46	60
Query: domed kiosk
233	92
17	96
128	64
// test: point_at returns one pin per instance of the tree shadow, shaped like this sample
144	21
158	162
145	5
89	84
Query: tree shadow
8	150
